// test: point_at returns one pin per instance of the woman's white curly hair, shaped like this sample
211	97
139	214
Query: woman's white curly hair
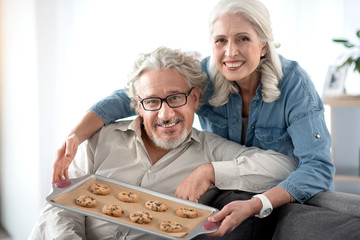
270	65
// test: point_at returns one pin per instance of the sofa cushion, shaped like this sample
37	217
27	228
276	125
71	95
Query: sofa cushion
300	221
337	201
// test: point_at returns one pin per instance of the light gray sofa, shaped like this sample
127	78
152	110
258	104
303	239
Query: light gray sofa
327	215
337	201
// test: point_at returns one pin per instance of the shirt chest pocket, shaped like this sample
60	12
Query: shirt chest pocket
272	137
215	122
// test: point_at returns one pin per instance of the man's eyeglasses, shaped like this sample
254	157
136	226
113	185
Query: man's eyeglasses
173	101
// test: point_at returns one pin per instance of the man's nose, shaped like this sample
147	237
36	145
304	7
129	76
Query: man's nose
166	112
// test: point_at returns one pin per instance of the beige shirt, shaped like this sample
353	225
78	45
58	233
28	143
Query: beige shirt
117	151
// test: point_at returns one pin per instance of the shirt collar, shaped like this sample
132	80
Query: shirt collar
134	125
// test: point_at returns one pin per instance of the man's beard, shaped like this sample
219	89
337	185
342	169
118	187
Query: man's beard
172	143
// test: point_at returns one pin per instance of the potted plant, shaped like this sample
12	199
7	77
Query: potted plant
353	57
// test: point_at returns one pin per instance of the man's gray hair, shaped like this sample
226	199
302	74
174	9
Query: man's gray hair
166	58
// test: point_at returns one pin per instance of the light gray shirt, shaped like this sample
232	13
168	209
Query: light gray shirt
117	151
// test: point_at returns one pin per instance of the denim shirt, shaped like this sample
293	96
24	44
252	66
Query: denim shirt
293	125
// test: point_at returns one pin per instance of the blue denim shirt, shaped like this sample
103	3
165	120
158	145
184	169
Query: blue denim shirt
293	125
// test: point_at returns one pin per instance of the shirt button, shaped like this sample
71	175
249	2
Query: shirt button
317	136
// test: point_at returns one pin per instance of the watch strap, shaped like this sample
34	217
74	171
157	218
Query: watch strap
266	206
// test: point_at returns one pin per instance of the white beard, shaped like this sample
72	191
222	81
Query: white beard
170	144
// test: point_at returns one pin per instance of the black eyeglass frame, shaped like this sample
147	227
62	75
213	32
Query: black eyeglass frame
165	100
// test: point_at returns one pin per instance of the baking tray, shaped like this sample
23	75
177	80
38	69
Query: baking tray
65	191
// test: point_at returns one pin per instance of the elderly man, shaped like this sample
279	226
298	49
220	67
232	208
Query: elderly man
159	149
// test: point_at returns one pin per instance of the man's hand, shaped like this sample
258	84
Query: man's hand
197	183
64	157
234	213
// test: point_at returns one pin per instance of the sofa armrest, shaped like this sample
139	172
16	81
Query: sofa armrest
337	201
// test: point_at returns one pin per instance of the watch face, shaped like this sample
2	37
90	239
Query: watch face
267	212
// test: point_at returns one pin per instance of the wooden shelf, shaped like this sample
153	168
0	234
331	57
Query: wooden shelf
335	102
347	178
343	101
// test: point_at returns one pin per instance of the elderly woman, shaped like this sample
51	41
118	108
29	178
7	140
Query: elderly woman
254	97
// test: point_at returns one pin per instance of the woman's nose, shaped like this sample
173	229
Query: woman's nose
231	49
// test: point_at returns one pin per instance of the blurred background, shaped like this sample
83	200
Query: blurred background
58	57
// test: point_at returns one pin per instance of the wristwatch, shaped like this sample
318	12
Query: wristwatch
266	206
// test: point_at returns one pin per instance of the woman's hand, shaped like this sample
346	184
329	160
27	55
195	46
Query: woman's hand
234	213
64	157
197	183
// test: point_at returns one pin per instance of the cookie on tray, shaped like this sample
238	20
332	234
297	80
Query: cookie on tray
130	197
140	217
86	201
156	206
100	189
170	226
112	210
187	212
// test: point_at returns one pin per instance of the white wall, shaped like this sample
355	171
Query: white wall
305	29
51	50
20	194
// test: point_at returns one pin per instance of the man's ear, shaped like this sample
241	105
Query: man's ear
140	108
196	97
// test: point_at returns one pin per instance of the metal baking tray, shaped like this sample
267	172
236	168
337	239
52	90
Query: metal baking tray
64	189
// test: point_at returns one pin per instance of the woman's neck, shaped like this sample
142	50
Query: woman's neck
249	84
248	88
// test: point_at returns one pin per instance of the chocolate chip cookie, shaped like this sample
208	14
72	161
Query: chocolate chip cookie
86	201
140	217
156	206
